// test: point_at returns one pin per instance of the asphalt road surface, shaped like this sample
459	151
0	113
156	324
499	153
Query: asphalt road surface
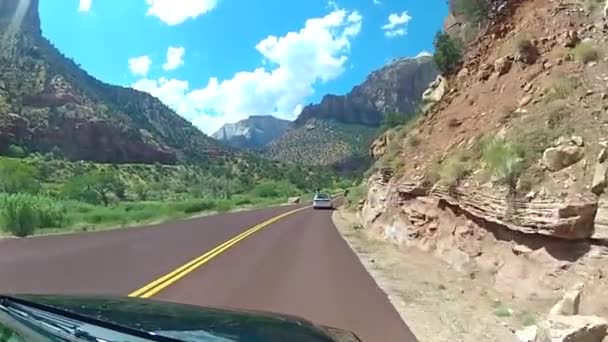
297	265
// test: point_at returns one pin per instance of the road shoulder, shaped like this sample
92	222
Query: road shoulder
436	302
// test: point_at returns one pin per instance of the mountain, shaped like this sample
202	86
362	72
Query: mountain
341	128
49	104
252	133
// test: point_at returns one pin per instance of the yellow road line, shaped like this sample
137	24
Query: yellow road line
170	278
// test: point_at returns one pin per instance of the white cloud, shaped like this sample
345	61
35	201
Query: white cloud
295	62
424	53
140	66
377	2
85	5
397	24
175	58
173	12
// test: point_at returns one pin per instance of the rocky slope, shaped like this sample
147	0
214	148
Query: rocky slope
507	177
254	132
49	104
323	133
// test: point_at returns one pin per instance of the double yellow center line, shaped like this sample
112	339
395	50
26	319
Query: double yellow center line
170	278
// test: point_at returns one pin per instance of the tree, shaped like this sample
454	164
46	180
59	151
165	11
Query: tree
15	151
95	187
392	119
448	53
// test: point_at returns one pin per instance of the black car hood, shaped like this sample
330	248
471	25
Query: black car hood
183	321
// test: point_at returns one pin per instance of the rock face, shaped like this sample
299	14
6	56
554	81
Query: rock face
571	221
254	132
47	103
348	124
396	87
557	158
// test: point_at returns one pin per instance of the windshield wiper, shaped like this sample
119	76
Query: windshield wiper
71	327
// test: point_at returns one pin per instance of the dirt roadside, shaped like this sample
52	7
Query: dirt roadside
438	303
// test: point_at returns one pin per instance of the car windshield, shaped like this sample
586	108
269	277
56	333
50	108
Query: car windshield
322	196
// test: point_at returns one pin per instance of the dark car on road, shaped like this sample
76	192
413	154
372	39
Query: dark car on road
33	318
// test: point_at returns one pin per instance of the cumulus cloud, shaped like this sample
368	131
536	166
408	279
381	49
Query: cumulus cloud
175	58
85	5
140	66
376	2
294	63
397	24
174	12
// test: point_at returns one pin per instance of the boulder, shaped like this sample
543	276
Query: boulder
570	39
569	304
599	176
293	200
436	90
532	333
485	71
577	140
503	65
462	74
525	100
576	328
380	145
557	158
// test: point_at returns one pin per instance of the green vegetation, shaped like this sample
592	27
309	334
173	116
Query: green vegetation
501	310
526	318
561	88
324	142
504	160
21	214
448	53
355	194
473	10
40	195
392	120
454	168
585	53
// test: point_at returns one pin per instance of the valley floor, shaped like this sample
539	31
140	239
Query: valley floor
438	303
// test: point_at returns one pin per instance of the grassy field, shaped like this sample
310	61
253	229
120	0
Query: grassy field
44	197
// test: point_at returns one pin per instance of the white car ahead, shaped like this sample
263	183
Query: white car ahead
322	201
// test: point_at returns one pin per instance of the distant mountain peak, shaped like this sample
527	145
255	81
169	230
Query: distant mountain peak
252	133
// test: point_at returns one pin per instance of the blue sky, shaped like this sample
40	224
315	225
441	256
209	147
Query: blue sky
218	61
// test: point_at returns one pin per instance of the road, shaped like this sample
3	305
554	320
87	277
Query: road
297	265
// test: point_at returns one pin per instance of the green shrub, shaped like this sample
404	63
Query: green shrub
22	214
561	89
195	206
15	151
242	201
448	53
585	53
355	194
504	160
454	168
223	206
